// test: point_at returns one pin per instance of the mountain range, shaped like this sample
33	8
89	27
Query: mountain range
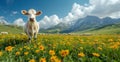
87	23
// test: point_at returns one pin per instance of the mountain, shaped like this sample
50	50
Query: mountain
91	22
87	23
56	29
107	29
2	21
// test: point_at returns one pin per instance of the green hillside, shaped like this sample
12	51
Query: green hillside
10	29
108	29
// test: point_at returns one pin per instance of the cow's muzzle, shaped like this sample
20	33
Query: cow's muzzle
32	19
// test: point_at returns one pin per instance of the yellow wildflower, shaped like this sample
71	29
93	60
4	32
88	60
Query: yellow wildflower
114	46
96	54
1	53
28	48
32	60
37	51
52	52
9	48
17	53
54	59
41	47
110	40
26	53
64	53
21	49
25	46
42	60
99	48
81	54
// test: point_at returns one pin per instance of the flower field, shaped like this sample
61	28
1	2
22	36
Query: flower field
60	48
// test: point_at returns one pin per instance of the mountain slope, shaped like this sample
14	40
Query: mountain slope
108	29
91	22
83	24
10	29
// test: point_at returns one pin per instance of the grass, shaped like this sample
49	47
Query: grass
112	29
60	48
11	29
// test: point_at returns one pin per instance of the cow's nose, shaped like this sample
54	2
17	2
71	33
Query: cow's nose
31	19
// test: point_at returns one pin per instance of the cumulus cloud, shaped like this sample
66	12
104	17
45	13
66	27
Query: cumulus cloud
105	8
77	12
3	21
48	22
99	8
1	17
19	22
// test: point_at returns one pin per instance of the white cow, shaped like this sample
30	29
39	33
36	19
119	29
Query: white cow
31	27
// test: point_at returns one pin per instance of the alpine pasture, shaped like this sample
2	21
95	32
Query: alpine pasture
60	48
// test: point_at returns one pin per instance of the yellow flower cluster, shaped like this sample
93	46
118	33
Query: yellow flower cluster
54	59
99	48
96	54
37	51
42	60
17	53
60	48
81	54
32	60
64	53
52	52
9	48
41	47
26	53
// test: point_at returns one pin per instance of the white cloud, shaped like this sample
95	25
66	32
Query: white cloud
3	21
105	8
99	8
1	17
115	15
78	11
48	22
19	22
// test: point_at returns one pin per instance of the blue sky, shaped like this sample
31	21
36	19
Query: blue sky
11	9
57	11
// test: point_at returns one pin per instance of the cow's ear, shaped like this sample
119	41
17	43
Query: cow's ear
38	13
24	12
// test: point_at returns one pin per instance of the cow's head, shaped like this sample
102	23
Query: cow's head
31	14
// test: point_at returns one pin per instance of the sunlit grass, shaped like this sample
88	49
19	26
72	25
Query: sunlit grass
60	48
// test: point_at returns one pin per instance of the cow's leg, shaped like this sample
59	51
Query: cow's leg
35	35
29	35
26	31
